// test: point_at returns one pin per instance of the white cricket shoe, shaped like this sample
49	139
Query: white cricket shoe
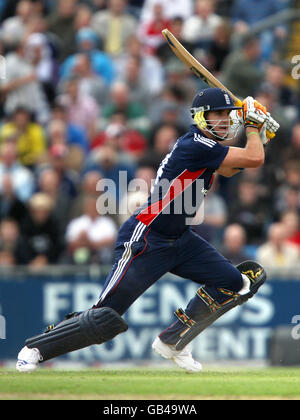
183	358
28	360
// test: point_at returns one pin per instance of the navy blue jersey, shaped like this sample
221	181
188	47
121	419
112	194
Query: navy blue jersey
183	178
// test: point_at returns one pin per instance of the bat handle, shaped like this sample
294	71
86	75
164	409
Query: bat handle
270	135
239	103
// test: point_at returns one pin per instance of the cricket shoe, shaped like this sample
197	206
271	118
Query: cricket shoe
182	358
28	359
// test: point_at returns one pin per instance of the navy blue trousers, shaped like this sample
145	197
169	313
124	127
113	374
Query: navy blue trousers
143	256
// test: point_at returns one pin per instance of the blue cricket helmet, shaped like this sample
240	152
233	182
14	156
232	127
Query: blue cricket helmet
212	99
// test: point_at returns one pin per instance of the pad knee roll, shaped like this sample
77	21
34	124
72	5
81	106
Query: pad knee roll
94	326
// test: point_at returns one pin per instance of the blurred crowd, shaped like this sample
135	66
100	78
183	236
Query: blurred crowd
92	89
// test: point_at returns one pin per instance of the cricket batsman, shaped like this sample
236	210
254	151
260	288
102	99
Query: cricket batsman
158	239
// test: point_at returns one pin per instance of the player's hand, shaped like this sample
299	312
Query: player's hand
268	129
254	114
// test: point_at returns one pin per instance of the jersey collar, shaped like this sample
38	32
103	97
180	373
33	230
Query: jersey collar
195	129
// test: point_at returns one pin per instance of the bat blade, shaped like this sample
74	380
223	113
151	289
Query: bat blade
197	68
194	65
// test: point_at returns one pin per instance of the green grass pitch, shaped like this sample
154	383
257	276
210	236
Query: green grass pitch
151	384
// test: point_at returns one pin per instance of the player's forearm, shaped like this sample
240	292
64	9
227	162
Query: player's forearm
254	147
229	172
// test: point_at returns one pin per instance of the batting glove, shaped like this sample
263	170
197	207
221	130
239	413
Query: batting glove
268	129
254	114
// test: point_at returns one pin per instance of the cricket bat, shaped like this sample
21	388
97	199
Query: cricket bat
197	68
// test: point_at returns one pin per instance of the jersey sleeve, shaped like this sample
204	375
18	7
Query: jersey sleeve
205	153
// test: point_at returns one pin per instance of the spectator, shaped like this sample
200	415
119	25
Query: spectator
10	206
28	136
275	80
90	84
91	236
249	210
39	54
14	28
9	8
288	199
49	183
97	5
235	240
57	133
164	52
178	76
21	177
277	252
164	140
41	232
212	216
107	162
21	87
62	23
291	221
114	26
292	172
80	110
172	9
144	177
284	115
292	153
169	110
130	144
151	68
150	32
12	251
200	28
72	133
139	91
88	186
241	74
219	48
68	179
246	14
83	17
120	102
87	43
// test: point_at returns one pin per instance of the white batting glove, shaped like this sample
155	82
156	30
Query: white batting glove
236	119
254	114
268	129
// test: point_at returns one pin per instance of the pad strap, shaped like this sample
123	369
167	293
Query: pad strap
184	318
212	303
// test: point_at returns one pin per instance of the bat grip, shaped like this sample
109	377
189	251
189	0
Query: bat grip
239	103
